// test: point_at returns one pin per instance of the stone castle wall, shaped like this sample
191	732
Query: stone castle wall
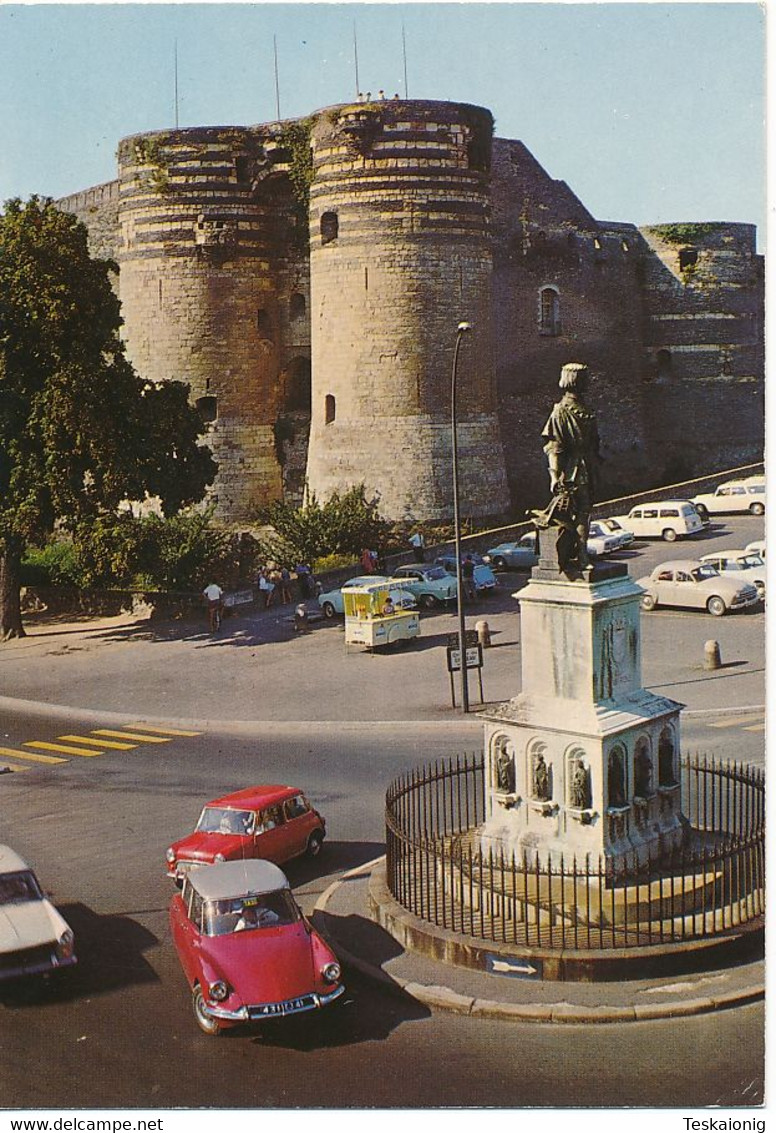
333	362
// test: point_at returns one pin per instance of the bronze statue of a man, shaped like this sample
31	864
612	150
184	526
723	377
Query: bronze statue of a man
573	454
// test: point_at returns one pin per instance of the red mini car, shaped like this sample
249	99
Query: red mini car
246	949
274	823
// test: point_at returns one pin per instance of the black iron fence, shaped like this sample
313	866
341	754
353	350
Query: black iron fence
712	882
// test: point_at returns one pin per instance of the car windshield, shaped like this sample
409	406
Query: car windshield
746	562
16	888
222	820
705	571
241	914
435	572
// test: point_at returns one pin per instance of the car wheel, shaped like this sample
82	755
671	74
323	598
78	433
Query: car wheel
428	601
669	535
757	509
499	563
328	610
314	844
716	606
205	1022
648	602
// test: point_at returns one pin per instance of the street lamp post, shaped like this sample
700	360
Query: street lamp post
463	329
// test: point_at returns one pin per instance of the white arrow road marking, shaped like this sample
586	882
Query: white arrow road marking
505	966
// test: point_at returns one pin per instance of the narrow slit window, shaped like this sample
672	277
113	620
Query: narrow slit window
549	311
329	227
330	409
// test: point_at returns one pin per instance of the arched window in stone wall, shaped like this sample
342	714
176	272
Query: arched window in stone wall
666	758
296	305
207	407
330	408
642	770
264	322
688	258
298	387
329	227
549	311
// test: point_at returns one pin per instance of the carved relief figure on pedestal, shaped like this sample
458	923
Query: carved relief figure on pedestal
616	778
579	786
665	759
541	778
642	771
573	453
503	766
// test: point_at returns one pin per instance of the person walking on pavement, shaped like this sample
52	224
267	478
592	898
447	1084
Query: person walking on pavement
214	596
467	574
265	587
285	585
418	544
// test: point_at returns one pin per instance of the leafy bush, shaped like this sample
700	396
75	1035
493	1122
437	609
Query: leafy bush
55	564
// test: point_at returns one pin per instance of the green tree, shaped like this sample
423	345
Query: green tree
79	430
344	524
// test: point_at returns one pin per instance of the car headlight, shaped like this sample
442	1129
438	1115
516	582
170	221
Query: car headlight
219	858
65	945
170	855
331	973
218	990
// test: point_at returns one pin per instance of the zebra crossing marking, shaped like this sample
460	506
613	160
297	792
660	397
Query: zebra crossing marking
163	731
113	744
45	745
130	736
31	755
748	719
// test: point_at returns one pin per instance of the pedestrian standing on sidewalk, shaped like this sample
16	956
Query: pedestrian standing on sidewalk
467	574
265	587
418	544
285	585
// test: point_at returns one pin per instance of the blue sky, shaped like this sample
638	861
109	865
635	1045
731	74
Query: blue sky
652	113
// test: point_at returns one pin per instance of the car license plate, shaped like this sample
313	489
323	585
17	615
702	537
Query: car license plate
287	1007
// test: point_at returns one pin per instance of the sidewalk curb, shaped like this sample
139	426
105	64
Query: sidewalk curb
562	1012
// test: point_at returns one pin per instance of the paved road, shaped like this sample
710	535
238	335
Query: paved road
267	705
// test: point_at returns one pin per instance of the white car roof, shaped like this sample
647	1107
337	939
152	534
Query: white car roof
678	564
10	861
727	554
236	879
660	503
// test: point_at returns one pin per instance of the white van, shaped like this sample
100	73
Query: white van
662	519
734	495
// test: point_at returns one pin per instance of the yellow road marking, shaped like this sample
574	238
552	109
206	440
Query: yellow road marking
29	755
61	747
754	728
163	731
735	723
130	736
98	743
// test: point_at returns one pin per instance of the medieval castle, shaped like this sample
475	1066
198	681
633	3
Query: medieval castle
307	279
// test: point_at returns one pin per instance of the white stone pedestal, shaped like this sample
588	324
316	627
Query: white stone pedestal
584	764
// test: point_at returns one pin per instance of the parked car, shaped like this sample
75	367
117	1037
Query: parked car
484	578
271	822
514	554
246	949
431	586
611	528
746	567
331	602
662	519
756	548
35	939
733	496
688	582
600	542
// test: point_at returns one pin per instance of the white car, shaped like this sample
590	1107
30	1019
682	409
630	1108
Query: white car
34	937
331	601
614	529
756	548
741	565
688	582
662	519
734	495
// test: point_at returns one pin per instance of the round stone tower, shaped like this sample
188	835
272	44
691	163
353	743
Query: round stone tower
399	256
205	229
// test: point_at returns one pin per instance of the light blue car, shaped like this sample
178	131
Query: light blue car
332	603
431	586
